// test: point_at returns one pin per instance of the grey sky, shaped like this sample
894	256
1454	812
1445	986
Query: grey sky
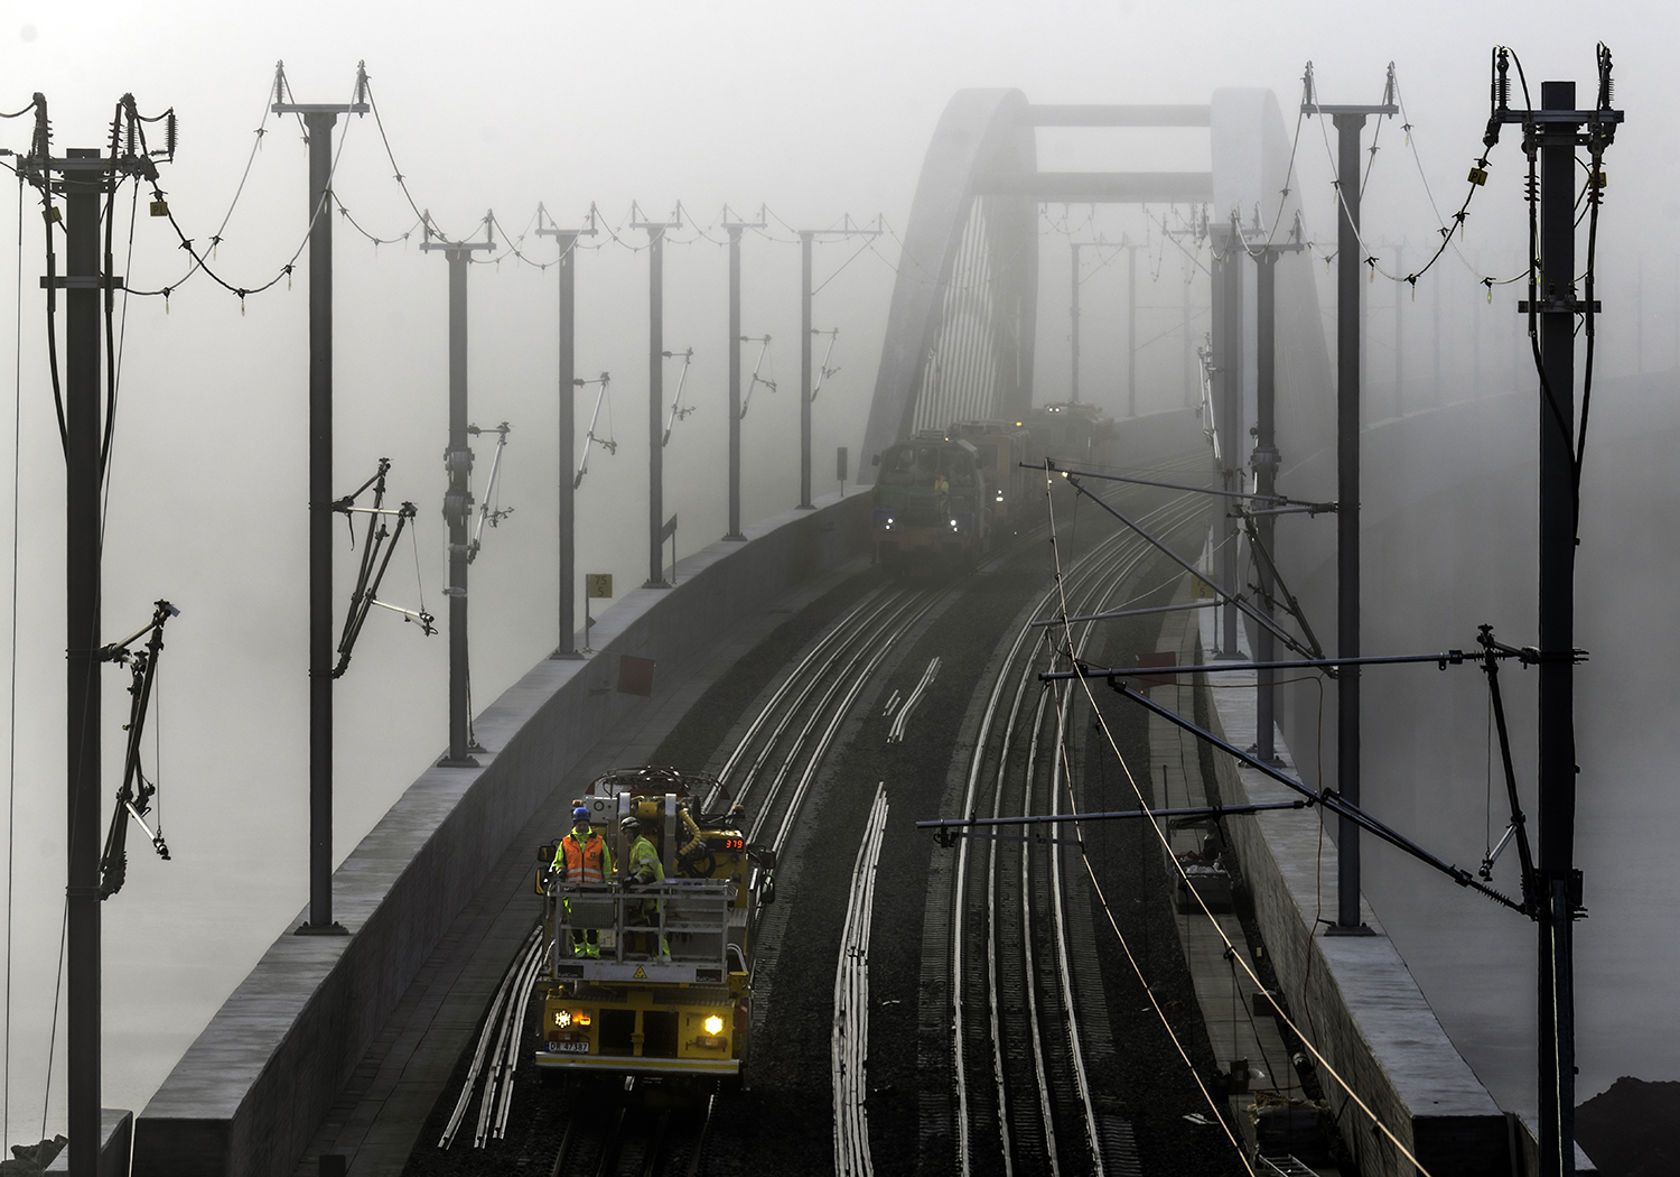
816	109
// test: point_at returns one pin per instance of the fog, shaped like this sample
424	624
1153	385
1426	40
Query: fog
812	111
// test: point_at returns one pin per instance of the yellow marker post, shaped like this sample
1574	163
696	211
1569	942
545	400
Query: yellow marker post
596	586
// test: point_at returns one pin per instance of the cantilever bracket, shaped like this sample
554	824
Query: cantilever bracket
135	793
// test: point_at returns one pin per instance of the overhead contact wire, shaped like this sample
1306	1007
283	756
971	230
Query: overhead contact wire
1370	1113
1149	991
285	271
1108	735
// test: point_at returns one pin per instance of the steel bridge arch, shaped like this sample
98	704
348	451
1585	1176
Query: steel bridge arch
982	133
962	320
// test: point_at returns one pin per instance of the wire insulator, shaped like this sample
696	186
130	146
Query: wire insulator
43	129
1499	95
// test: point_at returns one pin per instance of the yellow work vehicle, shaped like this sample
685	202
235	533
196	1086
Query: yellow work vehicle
669	993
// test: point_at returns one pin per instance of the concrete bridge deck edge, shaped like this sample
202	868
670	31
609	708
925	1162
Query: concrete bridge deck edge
1354	995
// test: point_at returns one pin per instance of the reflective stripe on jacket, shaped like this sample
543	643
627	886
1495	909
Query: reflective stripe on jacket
586	861
645	866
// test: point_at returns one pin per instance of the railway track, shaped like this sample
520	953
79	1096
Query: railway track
849	1050
775	762
771	770
622	1139
1023	1092
1020	1058
495	1059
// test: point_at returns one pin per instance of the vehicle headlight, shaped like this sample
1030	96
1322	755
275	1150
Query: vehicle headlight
562	1019
713	1025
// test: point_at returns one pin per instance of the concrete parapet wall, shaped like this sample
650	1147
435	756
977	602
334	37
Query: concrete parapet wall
248	1095
116	1137
1142	441
1352	996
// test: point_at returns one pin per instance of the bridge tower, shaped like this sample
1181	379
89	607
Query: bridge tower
965	303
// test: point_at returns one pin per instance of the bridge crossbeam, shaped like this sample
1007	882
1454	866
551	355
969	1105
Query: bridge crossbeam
1102	187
